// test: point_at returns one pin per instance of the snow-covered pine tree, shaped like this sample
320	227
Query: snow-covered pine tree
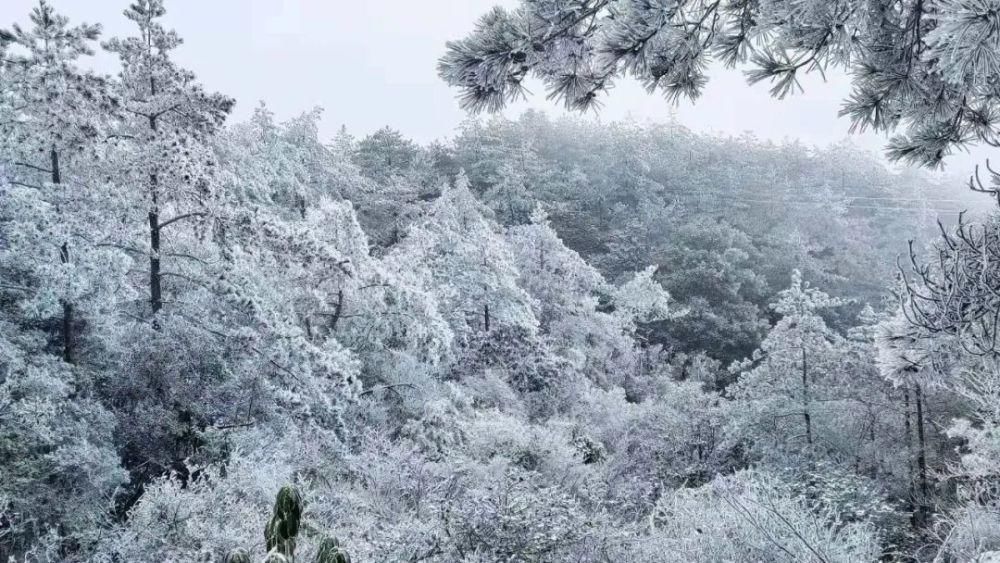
464	261
166	118
793	375
186	359
567	296
926	67
53	116
282	184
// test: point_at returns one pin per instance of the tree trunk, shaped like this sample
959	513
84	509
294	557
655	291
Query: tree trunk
907	426
486	316
337	311
921	445
67	306
67	320
921	511
56	175
805	398
155	290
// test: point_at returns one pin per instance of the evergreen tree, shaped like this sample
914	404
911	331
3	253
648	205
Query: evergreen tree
787	386
466	264
924	66
58	283
385	153
166	120
52	119
179	369
567	295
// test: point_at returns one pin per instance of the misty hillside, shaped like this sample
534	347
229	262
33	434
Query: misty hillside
538	340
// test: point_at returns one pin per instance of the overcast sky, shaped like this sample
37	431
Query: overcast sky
371	63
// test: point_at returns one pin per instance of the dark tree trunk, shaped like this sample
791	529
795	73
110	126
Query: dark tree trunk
67	320
922	512
155	290
56	174
67	306
908	428
486	316
922	444
805	398
337	311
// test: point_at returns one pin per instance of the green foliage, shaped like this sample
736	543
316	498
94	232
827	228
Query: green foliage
281	530
281	533
330	552
237	556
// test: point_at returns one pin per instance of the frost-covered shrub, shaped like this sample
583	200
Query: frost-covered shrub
403	380
223	507
172	384
750	517
970	530
847	496
524	359
489	390
391	502
669	440
384	500
58	468
589	450
547	448
511	516
642	299
973	527
438	429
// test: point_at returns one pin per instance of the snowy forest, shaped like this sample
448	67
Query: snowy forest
544	339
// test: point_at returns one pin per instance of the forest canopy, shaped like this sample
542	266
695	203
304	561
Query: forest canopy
540	340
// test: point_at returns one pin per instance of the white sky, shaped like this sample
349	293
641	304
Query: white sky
371	63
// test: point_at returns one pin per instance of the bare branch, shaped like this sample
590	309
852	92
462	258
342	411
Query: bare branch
182	217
